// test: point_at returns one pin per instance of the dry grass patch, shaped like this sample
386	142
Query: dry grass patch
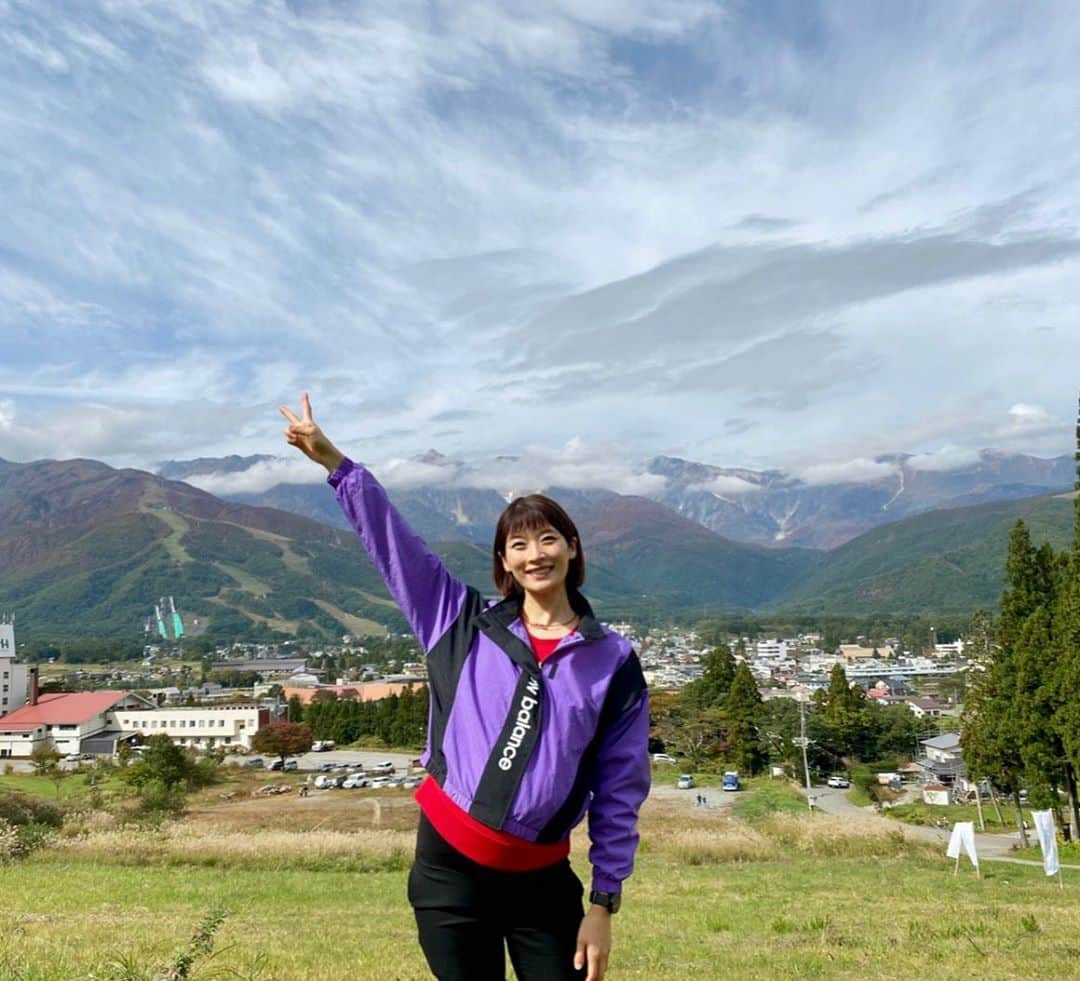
177	844
835	836
707	837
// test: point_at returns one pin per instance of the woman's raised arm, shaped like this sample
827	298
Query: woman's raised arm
420	583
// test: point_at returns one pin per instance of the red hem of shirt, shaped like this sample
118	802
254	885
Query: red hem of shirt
485	846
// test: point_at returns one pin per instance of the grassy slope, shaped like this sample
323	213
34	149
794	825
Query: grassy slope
794	916
783	896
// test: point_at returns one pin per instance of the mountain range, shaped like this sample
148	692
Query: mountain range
89	549
754	507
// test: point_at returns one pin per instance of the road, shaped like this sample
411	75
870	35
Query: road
991	847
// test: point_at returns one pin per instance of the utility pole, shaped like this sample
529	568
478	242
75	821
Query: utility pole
803	742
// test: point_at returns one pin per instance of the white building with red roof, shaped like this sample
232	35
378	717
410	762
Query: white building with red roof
65	719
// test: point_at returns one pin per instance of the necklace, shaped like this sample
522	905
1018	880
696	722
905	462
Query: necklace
548	626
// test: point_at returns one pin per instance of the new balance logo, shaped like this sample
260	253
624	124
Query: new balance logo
523	724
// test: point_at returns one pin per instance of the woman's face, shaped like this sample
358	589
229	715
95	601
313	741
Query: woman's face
538	559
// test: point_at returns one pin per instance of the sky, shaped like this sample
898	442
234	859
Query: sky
580	233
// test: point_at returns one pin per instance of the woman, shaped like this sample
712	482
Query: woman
538	715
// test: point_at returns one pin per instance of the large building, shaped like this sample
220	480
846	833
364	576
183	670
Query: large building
72	722
199	727
14	678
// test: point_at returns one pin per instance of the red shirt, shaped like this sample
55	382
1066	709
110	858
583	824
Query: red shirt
484	845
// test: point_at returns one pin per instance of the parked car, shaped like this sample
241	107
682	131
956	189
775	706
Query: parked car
326	767
686	782
277	764
322	781
256	762
355	781
322	745
292	765
663	758
731	780
379	783
836	780
384	767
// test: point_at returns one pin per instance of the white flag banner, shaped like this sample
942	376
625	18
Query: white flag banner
1044	828
963	839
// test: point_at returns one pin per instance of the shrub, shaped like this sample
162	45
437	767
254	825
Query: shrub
18	810
157	798
18	841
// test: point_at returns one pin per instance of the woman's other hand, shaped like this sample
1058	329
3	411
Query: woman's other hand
309	438
594	943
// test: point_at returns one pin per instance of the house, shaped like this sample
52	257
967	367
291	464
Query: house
72	722
942	761
926	707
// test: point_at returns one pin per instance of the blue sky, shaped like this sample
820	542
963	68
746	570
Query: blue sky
583	233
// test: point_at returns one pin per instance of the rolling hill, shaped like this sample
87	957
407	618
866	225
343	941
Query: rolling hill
949	561
90	549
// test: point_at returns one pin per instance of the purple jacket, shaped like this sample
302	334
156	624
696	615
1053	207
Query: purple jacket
522	747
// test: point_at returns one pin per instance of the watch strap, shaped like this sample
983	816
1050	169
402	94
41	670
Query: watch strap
611	901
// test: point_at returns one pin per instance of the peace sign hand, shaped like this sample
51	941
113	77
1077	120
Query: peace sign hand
309	438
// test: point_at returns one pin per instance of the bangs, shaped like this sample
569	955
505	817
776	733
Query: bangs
526	515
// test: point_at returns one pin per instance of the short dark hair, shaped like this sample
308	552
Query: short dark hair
531	513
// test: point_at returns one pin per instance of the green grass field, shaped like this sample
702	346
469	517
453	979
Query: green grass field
770	895
929	815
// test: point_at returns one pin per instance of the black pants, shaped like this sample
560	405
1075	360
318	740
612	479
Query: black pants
466	912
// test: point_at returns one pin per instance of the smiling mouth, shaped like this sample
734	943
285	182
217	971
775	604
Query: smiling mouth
539	572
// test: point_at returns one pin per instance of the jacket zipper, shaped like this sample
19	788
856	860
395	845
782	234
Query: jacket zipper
554	659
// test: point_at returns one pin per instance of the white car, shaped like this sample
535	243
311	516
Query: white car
384	767
355	782
686	782
838	781
663	758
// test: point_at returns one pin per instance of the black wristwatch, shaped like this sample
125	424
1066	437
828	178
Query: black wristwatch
611	901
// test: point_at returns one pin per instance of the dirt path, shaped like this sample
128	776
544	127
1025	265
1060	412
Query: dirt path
991	847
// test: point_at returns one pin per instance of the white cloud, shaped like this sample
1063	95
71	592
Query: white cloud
944	459
725	485
409	474
849	472
1026	419
576	466
7	414
260	477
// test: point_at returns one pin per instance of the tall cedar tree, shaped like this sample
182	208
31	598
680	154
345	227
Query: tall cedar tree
710	690
995	729
1036	692
1067	650
742	707
843	715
